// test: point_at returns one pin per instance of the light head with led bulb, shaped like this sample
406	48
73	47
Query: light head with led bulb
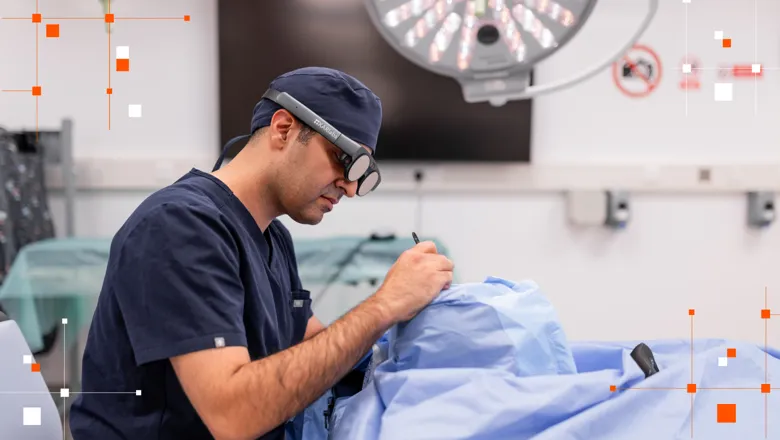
489	47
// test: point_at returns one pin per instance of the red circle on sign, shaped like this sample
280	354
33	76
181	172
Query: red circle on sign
651	83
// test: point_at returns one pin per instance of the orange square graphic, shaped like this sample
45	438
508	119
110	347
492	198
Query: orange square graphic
35	368
36	90
109	18
109	91
612	388
766	388
727	42
691	387
186	18
727	413
765	314
122	65
731	352
52	31
36	18
691	312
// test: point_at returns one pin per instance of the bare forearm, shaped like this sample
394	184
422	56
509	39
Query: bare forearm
269	391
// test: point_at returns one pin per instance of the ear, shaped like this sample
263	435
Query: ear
282	123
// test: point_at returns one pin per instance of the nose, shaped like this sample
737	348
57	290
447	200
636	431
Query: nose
349	188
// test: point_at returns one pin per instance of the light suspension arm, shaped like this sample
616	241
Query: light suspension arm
539	90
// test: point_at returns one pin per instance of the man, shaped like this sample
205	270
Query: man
202	310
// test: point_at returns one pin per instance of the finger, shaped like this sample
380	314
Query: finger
427	247
446	280
444	263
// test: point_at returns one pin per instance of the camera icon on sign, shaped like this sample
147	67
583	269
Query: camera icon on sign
641	67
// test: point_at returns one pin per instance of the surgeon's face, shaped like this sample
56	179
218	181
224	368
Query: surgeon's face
315	178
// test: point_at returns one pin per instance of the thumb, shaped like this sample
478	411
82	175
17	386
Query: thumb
427	247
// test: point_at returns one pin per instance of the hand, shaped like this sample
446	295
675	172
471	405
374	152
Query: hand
413	281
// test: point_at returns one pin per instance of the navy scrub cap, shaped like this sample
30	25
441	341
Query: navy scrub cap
340	99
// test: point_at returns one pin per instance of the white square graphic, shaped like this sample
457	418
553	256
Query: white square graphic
134	110
27	359
31	416
756	68
686	68
219	342
64	392
718	35
123	52
724	91
686	1
722	361
137	392
64	320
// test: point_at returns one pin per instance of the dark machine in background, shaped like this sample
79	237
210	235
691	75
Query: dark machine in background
425	115
25	217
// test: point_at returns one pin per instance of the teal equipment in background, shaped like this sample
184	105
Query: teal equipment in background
61	278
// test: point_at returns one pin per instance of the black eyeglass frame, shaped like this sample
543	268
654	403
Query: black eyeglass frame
358	164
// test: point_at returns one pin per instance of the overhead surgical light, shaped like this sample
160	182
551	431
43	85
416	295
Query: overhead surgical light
489	46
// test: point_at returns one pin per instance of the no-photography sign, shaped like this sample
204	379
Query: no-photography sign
638	73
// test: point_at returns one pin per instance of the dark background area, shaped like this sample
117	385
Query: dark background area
425	116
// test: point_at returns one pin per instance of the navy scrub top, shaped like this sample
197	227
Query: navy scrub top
189	270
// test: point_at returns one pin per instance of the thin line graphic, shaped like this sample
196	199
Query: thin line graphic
65	393
73	18
731	389
102	18
57	393
743	73
685	5
37	53
109	70
691	346
755	56
150	18
64	354
766	363
691	388
108	18
691	394
64	377
37	80
692	313
650	388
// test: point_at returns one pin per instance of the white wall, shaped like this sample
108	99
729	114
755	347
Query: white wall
681	251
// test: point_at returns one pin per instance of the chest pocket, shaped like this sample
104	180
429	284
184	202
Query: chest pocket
300	304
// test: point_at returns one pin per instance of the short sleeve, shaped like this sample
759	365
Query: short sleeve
177	283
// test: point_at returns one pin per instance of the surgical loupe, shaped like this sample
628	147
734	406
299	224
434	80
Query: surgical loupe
359	166
489	46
